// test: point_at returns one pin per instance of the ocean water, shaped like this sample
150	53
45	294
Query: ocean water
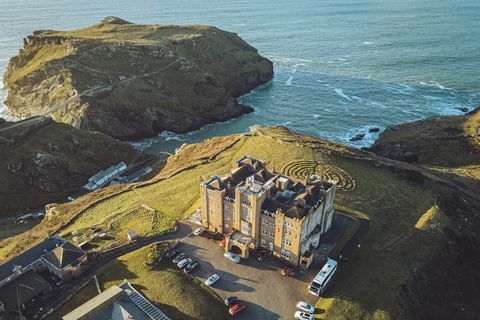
341	67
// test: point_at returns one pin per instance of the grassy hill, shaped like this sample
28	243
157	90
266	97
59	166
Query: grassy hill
42	161
422	222
450	144
131	81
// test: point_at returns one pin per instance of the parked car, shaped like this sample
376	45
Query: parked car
305	307
288	270
236	309
179	258
56	279
192	265
212	279
303	316
70	198
262	255
223	242
230	256
171	254
183	263
198	231
230	301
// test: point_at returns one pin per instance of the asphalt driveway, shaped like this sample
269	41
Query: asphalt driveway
266	293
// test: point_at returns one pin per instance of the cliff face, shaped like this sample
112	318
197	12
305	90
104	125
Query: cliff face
132	81
41	161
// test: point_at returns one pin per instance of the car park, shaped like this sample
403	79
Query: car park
189	268
198	231
262	255
303	316
183	263
288	270
236	309
230	256
179	257
212	279
171	254
303	306
231	300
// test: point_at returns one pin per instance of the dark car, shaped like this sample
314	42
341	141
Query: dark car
236	309
261	255
288	270
179	258
230	301
56	279
189	268
171	254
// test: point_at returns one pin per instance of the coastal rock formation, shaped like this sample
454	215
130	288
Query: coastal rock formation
132	81
450	141
42	160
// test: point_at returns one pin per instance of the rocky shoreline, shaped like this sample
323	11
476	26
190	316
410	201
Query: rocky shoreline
134	81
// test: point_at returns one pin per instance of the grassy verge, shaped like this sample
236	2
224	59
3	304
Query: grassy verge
179	295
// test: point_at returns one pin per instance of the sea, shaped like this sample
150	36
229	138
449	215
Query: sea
341	67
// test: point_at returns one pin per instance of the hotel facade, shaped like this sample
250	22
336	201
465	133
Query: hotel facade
255	208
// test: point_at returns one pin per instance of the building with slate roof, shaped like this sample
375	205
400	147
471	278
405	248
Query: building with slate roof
257	208
21	276
120	302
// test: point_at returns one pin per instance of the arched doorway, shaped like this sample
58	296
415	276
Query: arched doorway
236	250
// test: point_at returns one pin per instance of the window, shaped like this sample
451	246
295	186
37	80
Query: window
272	225
272	235
226	226
263	243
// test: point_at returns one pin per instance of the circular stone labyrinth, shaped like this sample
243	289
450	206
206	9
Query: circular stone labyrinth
305	168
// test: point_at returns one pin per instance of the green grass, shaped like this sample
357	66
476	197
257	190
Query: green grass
82	296
370	282
179	295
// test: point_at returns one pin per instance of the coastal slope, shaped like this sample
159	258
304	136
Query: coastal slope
42	161
448	143
132	81
423	225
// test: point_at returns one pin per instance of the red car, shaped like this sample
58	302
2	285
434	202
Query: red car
288	270
236	309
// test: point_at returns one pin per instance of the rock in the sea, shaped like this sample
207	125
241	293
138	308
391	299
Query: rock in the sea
132	81
357	137
374	129
463	109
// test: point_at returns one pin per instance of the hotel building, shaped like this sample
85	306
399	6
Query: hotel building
256	208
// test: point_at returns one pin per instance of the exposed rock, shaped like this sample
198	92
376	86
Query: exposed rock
49	159
374	129
132	81
357	137
463	109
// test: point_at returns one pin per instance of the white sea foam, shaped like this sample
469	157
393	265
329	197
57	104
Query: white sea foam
289	81
286	123
339	91
357	98
368	43
168	135
316	116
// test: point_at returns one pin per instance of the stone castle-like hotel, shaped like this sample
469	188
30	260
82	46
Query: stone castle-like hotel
256	208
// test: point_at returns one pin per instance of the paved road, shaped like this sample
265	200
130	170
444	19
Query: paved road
183	230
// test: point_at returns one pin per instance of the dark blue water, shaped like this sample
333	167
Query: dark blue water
341	66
